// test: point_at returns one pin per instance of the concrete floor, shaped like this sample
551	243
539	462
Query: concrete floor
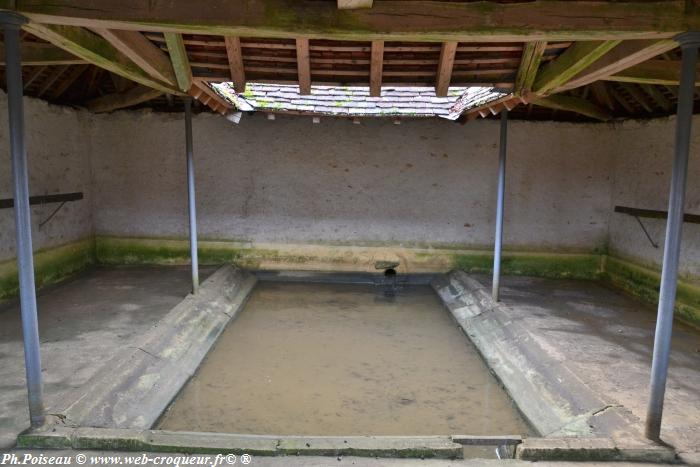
82	324
606	338
601	335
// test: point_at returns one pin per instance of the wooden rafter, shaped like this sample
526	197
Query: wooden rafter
601	94
444	69
133	96
571	104
235	62
660	72
303	66
376	68
39	53
142	52
72	77
51	79
624	55
529	64
492	108
637	95
179	60
621	100
657	96
35	74
387	20
202	92
575	59
354	4
94	49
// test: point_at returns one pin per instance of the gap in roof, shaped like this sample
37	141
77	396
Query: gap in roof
355	101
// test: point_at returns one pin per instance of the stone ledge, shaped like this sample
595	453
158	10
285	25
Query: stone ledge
593	449
437	447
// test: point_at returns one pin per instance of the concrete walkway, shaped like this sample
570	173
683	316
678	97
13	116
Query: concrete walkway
305	461
605	339
82	324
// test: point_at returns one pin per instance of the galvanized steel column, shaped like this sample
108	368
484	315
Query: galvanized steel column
191	196
11	23
499	205
689	43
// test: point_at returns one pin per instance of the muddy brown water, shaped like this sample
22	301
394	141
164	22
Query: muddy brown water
330	359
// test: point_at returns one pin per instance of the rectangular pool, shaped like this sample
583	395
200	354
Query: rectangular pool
339	359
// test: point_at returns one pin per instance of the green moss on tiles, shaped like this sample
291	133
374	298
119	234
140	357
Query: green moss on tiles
551	265
50	266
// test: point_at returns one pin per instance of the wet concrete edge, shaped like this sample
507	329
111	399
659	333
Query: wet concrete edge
556	403
138	383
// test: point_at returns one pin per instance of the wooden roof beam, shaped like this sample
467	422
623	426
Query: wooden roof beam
35	74
202	92
572	104
659	72
46	85
574	60
96	50
637	95
149	57
303	66
376	68
529	65
552	20
74	74
180	60
354	4
444	70
120	100
624	55
39	53
235	62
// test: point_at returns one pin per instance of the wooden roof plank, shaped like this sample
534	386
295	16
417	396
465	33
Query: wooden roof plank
179	60
234	55
142	52
96	50
444	69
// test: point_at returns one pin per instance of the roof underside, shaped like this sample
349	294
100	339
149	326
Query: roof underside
105	58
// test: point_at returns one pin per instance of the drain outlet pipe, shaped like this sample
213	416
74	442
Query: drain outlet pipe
11	24
499	205
689	43
194	259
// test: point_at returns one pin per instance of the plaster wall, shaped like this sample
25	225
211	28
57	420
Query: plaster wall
58	156
642	175
289	180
